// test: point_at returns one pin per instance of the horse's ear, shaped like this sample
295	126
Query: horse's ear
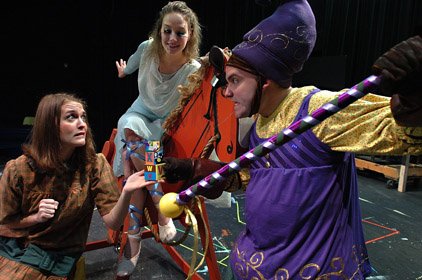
218	61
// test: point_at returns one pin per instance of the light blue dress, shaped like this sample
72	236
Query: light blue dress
158	96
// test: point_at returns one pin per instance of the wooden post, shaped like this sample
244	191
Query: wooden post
404	170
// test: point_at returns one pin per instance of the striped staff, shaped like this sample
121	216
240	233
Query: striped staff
287	134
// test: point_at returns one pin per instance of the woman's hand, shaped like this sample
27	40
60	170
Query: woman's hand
46	210
114	219
121	68
137	181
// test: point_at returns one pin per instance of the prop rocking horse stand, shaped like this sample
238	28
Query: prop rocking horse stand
202	122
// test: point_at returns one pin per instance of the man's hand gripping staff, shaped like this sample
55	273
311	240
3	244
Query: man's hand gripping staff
401	72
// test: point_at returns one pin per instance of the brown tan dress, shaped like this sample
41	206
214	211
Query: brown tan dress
21	190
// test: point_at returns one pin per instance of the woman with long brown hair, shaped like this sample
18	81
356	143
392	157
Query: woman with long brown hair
49	193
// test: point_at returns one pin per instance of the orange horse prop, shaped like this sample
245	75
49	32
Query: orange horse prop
202	122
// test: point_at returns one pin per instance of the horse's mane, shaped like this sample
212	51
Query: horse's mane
186	91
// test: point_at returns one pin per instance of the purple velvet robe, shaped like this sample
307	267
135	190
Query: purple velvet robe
302	214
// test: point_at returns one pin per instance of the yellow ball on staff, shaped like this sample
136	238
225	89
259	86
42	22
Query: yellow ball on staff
169	207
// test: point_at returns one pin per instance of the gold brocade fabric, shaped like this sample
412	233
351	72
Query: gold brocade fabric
365	127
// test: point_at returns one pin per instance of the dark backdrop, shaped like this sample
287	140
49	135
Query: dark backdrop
72	45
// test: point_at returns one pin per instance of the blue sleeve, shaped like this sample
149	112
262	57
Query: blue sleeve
133	62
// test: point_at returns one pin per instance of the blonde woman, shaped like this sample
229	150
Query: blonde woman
163	63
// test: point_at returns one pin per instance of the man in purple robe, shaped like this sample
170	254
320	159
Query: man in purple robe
302	210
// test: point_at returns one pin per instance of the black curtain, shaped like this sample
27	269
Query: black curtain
362	30
73	45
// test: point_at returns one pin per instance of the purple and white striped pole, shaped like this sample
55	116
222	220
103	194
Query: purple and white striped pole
287	134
